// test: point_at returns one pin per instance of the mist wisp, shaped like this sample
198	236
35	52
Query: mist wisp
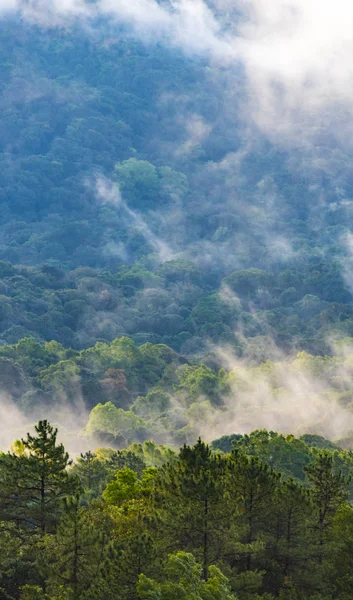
296	54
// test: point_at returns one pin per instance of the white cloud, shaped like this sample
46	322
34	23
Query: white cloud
7	6
296	53
297	56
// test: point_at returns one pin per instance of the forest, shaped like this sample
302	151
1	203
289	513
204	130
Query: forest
176	300
119	393
257	516
136	202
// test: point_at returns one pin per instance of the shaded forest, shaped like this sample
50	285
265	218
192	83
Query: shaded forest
175	288
266	518
136	200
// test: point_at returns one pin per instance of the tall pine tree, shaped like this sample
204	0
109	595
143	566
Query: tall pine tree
35	482
191	501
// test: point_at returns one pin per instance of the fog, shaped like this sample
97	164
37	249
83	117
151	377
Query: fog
292	60
108	192
285	396
296	53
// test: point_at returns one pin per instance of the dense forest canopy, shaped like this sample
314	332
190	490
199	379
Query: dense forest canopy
253	517
120	393
175	260
138	199
176	300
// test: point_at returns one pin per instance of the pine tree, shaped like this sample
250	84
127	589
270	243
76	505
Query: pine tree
341	560
252	485
73	560
290	547
125	458
329	491
127	499
36	481
17	558
91	472
191	503
138	555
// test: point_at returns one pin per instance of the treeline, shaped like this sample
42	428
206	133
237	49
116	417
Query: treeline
119	393
205	525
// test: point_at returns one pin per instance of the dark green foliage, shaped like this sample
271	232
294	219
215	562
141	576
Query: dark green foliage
91	472
159	256
191	502
329	491
73	559
126	458
225	443
134	256
206	525
35	482
317	441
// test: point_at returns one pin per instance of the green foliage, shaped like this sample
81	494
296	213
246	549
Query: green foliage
124	487
33	592
246	282
182	579
193	494
145	186
139	231
134	393
120	424
286	454
91	472
202	381
152	454
72	560
236	528
126	458
35	481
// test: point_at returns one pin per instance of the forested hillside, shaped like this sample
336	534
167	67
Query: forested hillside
176	296
137	200
140	203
